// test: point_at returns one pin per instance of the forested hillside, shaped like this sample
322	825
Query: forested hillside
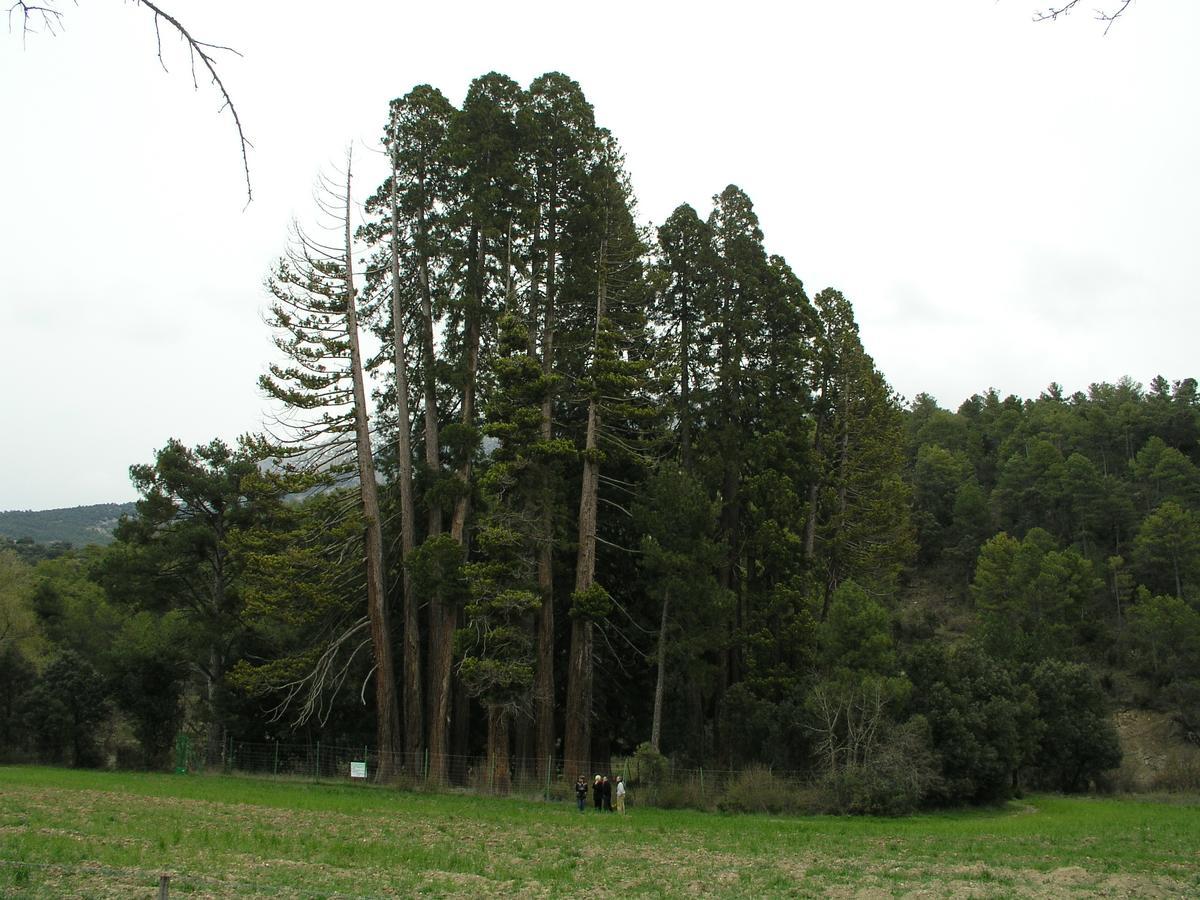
620	490
76	525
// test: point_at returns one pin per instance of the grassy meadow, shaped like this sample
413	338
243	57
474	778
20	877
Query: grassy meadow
93	834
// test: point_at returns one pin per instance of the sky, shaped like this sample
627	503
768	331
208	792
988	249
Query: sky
1006	203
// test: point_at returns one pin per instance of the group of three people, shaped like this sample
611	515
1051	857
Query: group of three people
602	794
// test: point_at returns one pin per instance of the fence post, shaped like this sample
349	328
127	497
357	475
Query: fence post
164	886
276	772
317	767
549	765
702	781
426	765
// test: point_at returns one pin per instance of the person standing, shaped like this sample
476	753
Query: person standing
597	794
581	793
620	795
606	793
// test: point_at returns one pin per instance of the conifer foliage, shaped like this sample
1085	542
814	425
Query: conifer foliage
550	486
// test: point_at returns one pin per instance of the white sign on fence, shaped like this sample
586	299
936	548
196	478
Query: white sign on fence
358	770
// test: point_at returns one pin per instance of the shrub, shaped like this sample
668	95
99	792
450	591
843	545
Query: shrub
758	790
678	795
650	766
894	782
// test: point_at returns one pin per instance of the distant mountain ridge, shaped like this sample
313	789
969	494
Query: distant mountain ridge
77	525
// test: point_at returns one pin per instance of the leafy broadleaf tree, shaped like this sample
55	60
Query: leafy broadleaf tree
64	708
982	719
1078	741
150	669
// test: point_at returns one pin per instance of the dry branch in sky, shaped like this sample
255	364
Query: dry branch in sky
1107	16
48	17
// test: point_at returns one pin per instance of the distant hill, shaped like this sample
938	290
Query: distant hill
78	525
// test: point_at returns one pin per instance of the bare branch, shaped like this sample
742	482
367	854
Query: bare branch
1109	17
51	20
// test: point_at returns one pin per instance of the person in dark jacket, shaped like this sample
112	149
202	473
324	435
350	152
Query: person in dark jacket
606	793
581	793
597	793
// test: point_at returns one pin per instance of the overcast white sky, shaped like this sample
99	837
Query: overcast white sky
1006	204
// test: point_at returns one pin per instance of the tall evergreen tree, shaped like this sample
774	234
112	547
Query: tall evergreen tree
562	146
315	312
497	651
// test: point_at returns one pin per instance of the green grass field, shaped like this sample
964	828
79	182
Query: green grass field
94	834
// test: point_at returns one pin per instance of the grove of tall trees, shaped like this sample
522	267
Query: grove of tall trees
547	486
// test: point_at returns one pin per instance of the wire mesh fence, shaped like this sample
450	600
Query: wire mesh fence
25	877
654	782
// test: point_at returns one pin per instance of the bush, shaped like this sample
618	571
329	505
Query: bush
678	795
758	790
894	782
650	766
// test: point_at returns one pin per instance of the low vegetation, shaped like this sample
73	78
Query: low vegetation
80	833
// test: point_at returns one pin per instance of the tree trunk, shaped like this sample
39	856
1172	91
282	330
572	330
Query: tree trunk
814	491
387	710
414	733
428	364
462	505
656	726
577	746
544	679
498	761
685	382
442	622
460	734
444	618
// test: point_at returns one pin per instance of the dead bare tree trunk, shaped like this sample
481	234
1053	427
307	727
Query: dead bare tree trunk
656	725
386	706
